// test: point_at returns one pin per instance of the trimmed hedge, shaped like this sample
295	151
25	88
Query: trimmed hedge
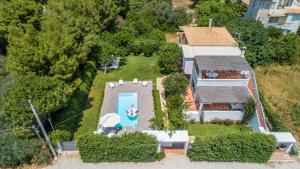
131	147
158	120
252	147
277	123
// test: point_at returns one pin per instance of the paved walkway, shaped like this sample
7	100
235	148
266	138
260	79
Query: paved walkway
170	162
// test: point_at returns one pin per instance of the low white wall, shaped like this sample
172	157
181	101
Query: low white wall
192	115
222	115
222	82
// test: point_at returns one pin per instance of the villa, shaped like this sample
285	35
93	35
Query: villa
205	41
221	79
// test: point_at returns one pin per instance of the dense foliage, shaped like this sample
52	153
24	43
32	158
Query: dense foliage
246	147
47	94
175	107
135	147
175	84
169	58
249	110
276	121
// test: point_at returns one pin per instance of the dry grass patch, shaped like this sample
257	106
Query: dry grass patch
182	3
281	87
171	37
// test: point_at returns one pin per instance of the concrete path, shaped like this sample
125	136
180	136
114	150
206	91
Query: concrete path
170	162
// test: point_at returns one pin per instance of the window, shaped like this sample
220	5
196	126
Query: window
273	19
281	20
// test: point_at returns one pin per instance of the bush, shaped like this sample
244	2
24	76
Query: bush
60	136
175	84
253	147
129	147
169	58
295	112
276	121
249	110
158	120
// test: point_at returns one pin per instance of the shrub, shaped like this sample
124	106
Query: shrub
60	135
175	84
249	110
276	121
250	147
169	58
158	120
129	147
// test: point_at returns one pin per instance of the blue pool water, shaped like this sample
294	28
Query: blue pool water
125	101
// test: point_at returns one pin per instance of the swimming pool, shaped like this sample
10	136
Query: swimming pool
125	101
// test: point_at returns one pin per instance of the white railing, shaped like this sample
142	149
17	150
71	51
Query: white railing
222	82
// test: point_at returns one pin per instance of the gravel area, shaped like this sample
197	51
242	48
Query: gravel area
170	162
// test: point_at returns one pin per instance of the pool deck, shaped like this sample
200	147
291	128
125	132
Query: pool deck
145	102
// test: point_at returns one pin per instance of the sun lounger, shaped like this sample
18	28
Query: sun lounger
135	81
121	82
144	83
112	85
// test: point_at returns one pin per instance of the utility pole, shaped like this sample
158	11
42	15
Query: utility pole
43	130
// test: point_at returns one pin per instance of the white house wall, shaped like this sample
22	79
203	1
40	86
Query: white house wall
222	115
222	82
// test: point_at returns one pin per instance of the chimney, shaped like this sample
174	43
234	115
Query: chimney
243	51
210	23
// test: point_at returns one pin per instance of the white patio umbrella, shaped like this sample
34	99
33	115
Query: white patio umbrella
110	120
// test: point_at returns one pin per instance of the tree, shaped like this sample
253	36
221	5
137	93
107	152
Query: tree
169	58
175	84
47	94
17	13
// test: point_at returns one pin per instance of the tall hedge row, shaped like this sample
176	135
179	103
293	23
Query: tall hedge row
133	147
248	147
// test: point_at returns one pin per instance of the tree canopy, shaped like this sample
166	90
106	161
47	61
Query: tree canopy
47	94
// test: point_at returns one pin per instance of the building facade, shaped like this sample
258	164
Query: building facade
282	14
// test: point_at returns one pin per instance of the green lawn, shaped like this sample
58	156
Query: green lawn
213	130
143	68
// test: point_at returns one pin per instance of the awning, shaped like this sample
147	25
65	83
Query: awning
110	120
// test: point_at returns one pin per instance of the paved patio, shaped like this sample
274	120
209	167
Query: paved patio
145	102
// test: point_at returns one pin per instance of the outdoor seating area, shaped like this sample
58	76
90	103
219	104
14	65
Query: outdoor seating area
132	106
222	75
121	83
